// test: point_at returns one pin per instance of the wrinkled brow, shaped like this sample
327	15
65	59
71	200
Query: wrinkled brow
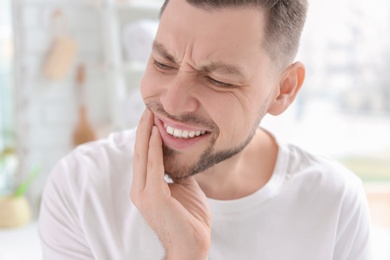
222	68
217	67
162	51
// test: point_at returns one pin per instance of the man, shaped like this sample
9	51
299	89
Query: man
204	180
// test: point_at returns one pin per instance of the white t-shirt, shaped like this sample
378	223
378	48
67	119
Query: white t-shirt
310	209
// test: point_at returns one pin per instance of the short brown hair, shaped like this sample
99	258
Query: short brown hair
285	21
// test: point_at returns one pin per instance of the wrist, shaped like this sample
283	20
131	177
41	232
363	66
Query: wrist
186	255
195	249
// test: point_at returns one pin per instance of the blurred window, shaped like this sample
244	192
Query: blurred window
343	109
6	76
7	141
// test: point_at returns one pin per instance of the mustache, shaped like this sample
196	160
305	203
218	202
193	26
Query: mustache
188	118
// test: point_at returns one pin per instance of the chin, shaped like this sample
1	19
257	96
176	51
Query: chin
173	164
176	170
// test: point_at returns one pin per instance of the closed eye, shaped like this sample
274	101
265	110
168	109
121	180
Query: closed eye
219	83
162	66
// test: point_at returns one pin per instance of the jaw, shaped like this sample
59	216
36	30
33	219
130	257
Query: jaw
244	173
225	160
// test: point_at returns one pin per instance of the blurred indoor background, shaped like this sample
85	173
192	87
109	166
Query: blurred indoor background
70	72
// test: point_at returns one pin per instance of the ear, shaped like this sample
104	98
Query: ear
289	85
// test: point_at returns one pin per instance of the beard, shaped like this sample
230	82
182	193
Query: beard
209	158
175	168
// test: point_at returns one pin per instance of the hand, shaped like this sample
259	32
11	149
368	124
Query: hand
177	212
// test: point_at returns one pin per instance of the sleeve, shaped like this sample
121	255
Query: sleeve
59	222
353	233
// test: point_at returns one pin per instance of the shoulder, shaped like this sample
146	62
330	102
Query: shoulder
83	189
323	171
117	142
322	182
114	147
96	162
324	188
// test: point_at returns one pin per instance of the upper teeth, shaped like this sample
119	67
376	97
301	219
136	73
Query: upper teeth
183	133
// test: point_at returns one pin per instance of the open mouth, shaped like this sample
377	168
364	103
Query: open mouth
183	134
179	136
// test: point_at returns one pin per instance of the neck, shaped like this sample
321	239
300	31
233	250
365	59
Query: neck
244	173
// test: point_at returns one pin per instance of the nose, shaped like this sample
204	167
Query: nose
178	97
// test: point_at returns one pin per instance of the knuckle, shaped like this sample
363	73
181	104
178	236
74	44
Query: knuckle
134	196
150	164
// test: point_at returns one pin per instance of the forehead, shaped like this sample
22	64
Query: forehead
228	34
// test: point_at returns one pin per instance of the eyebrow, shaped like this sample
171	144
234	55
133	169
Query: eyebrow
218	67
223	68
162	51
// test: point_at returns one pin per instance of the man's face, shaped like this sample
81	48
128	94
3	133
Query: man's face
208	83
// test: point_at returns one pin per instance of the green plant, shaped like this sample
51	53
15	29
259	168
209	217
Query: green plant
22	188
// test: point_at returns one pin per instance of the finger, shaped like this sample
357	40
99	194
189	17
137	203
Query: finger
155	166
141	148
187	182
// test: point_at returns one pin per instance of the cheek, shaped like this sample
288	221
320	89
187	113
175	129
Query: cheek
247	114
233	113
